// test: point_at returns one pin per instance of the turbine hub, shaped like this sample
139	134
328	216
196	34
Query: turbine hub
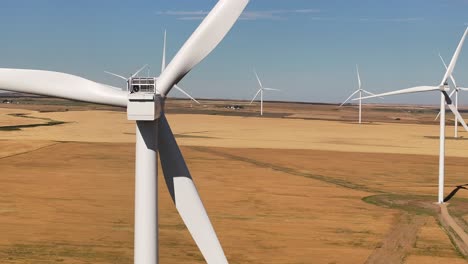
444	88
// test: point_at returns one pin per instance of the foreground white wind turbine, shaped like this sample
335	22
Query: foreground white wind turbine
260	91
444	99
359	91
455	91
163	66
153	133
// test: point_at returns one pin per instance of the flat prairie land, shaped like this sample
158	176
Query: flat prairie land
294	188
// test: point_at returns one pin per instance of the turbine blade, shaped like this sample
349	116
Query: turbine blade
454	110
358	76
351	96
185	196
142	68
451	76
163	63
369	93
452	64
463	89
271	89
116	75
186	94
61	85
204	40
258	79
437	117
452	93
417	89
443	61
255	96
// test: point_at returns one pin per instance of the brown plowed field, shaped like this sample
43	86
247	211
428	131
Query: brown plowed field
278	190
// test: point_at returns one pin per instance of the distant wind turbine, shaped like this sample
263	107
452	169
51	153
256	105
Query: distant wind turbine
260	91
455	91
163	67
358	91
443	87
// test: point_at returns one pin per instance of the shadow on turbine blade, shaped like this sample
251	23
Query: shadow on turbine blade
172	161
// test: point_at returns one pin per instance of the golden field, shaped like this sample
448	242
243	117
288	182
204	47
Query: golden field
277	189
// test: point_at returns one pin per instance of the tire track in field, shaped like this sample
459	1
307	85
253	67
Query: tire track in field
459	237
397	244
287	170
30	151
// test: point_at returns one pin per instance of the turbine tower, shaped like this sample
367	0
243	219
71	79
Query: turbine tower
359	91
443	87
260	91
145	106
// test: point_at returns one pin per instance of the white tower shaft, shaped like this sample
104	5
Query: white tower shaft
146	196
360	107
261	102
442	149
456	118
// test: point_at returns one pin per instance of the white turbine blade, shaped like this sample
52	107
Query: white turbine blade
142	68
116	75
453	62
463	89
369	93
351	96
185	196
358	77
61	85
417	89
458	115
204	40
455	111
163	63
258	79
186	94
451	76
452	93
255	96
437	117
271	89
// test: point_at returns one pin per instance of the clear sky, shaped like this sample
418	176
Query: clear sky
306	48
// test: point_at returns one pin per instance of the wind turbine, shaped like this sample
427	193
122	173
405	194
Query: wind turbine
153	133
163	67
358	91
455	91
260	91
443	87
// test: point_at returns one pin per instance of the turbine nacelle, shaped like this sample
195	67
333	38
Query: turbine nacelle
144	106
144	101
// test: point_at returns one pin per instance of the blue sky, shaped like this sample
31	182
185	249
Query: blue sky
306	48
